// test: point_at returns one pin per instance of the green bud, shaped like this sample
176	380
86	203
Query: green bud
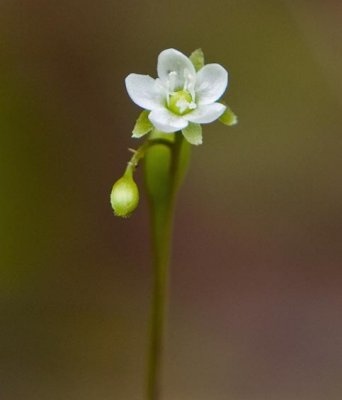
125	195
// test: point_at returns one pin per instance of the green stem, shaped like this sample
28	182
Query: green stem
161	238
141	151
162	194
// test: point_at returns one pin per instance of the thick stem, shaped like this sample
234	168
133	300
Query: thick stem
162	210
161	239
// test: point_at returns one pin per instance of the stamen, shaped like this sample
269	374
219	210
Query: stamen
183	105
189	82
181	102
172	81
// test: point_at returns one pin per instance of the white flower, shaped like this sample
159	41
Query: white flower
180	98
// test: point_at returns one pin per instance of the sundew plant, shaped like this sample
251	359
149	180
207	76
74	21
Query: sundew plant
186	94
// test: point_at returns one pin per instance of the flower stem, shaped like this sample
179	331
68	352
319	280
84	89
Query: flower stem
161	238
162	188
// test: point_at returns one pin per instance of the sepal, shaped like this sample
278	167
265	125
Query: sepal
193	133
228	118
197	58
142	126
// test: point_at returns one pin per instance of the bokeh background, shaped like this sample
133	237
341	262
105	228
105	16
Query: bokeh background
256	295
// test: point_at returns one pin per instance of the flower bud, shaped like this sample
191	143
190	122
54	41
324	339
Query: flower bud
124	196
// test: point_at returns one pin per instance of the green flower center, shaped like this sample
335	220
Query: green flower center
181	102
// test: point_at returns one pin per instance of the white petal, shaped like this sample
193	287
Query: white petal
144	91
174	61
165	121
211	83
206	113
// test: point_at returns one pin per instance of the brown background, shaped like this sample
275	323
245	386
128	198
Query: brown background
256	277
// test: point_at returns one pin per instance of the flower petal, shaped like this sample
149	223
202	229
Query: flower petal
206	113
173	61
144	91
167	122
193	133
211	83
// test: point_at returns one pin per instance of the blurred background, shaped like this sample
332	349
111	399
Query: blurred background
256	295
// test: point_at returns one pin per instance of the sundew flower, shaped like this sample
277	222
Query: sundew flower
181	98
